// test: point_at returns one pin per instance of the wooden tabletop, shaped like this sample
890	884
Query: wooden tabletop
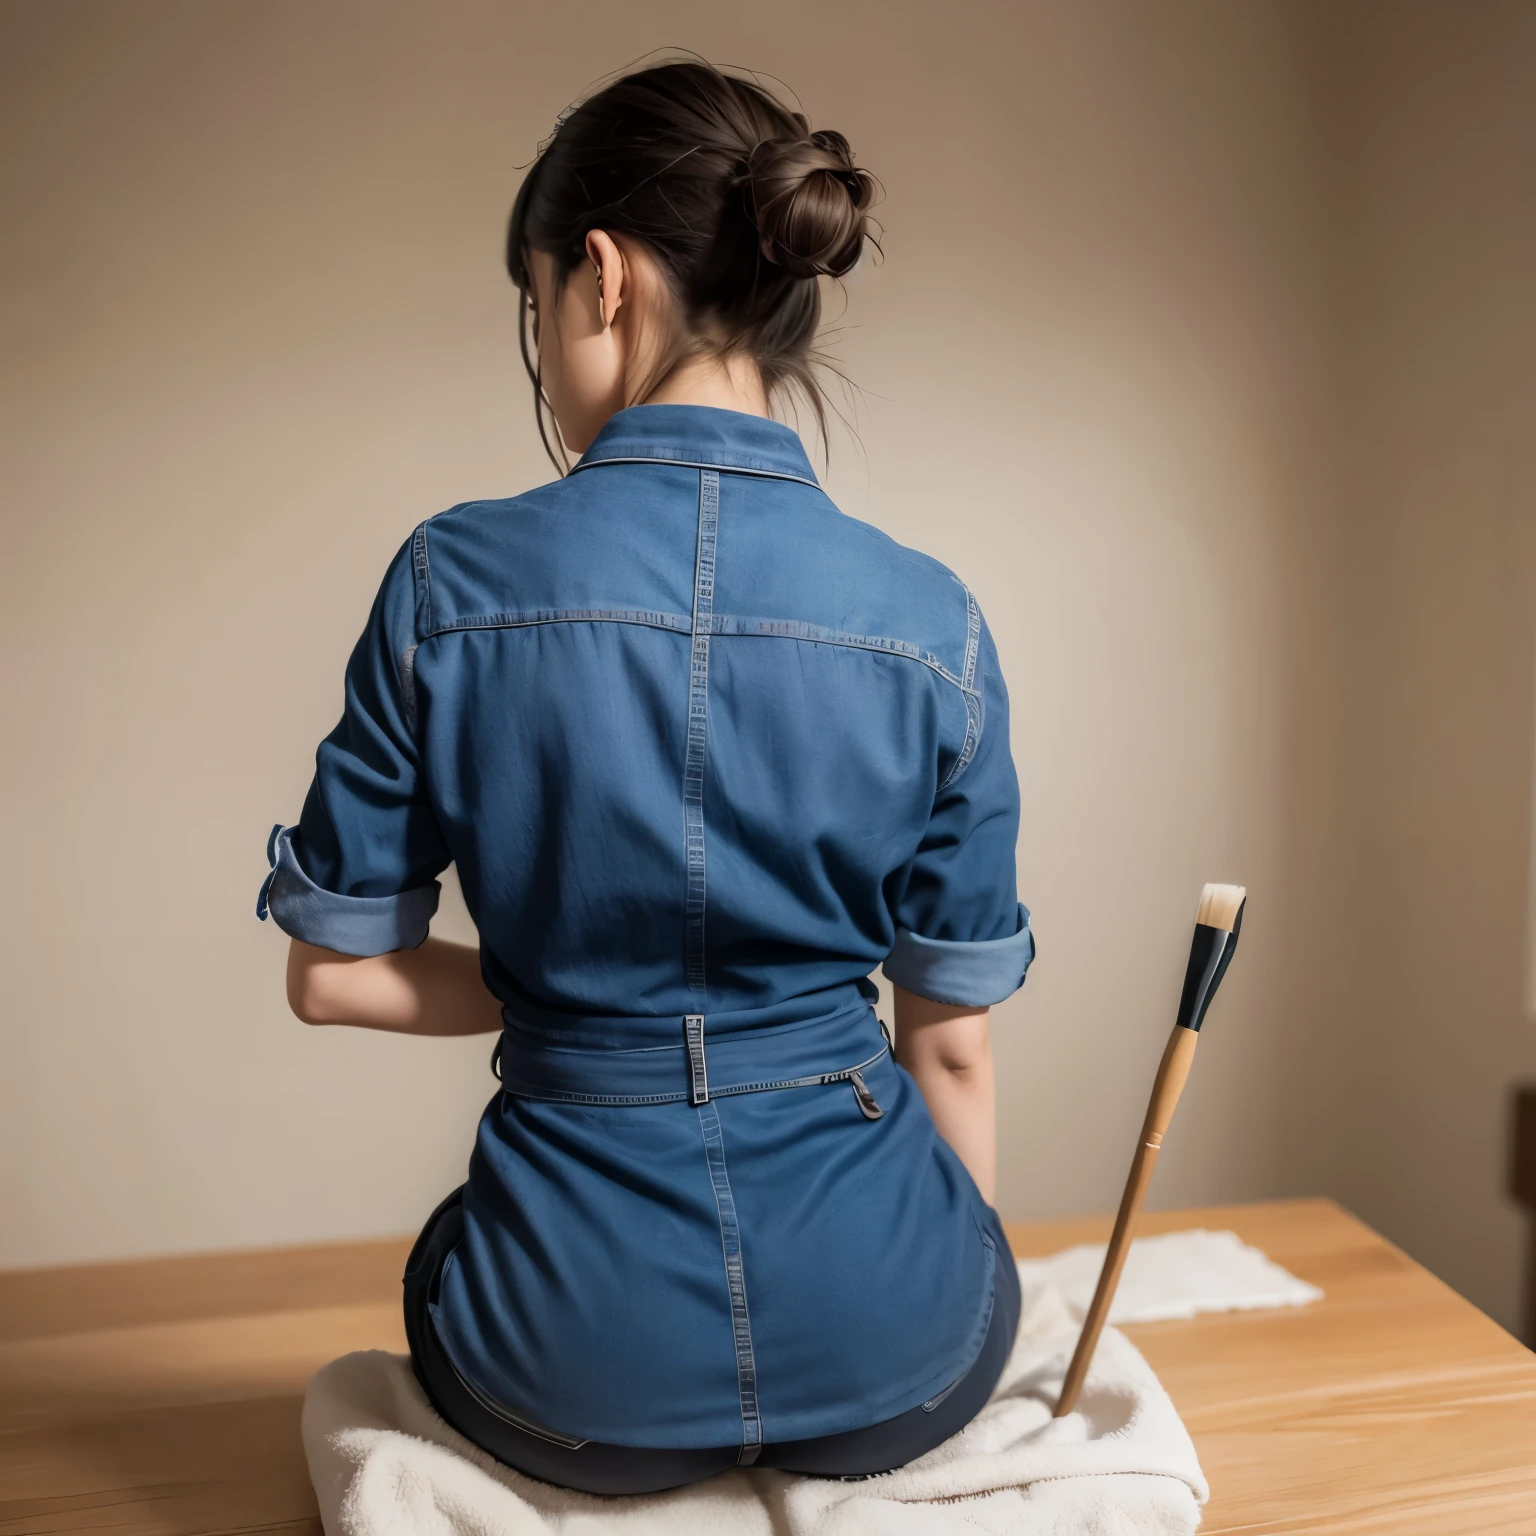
162	1397
1391	1406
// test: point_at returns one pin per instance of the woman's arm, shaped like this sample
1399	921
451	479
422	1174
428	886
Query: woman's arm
948	1051
434	989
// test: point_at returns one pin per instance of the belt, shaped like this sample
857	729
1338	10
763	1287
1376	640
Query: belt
833	1048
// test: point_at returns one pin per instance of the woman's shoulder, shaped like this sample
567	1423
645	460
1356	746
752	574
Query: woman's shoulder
569	549
467	517
822	575
923	569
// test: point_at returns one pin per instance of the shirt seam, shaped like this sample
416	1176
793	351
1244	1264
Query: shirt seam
421	573
652	618
721	624
975	704
697	736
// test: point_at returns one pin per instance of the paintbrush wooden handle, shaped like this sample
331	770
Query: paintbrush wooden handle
1169	1084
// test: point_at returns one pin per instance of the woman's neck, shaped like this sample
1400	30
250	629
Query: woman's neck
728	384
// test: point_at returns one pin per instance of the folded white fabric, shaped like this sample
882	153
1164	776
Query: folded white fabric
1178	1274
384	1464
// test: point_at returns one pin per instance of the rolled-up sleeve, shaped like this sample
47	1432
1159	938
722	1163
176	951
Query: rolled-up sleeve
962	935
356	874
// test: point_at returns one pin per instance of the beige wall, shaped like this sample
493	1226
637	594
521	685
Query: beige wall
256	329
1434	594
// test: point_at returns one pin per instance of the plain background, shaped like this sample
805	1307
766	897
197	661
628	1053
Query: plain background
1203	348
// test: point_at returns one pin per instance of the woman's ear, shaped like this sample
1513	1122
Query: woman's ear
608	260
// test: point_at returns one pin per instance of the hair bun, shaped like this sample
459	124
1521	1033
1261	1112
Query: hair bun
808	200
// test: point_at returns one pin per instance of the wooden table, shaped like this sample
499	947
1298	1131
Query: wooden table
163	1396
1391	1406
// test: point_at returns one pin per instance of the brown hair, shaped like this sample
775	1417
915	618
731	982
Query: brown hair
742	206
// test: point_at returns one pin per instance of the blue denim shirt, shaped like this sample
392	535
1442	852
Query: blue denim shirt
705	752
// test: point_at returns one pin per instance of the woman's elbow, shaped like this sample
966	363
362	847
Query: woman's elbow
959	1047
965	1060
309	997
307	1002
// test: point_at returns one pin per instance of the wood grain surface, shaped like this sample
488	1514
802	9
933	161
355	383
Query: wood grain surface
1392	1405
162	1397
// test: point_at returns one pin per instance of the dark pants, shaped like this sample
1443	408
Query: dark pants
593	1467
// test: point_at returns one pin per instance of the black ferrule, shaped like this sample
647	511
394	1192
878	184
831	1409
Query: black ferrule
1209	956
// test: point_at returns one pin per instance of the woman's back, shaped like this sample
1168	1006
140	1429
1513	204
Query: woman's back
682	729
703	750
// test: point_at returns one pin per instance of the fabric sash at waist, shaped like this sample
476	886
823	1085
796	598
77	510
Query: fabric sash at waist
825	1049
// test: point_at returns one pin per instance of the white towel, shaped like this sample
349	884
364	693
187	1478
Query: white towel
384	1464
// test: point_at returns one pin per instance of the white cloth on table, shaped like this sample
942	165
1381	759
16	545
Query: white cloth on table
1178	1274
384	1464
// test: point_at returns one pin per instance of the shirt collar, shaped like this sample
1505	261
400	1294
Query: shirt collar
700	435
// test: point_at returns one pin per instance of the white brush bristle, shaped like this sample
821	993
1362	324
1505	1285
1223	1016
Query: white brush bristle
1220	904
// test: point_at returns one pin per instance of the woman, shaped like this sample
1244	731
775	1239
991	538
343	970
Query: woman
705	752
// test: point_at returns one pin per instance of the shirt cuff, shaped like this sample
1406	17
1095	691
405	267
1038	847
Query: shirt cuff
351	925
973	974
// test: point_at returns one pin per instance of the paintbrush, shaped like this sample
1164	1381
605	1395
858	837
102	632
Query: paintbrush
1218	922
